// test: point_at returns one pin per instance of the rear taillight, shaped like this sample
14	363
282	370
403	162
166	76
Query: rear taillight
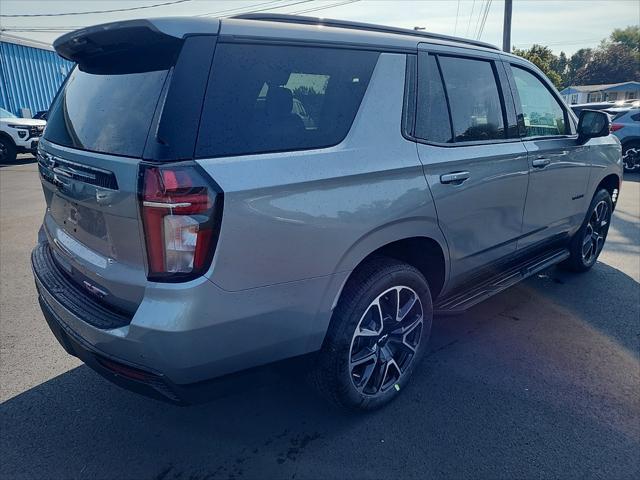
616	126
181	212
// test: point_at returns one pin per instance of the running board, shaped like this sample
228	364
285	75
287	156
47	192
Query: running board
460	301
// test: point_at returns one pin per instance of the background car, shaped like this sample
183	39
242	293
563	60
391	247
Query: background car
592	106
18	135
626	126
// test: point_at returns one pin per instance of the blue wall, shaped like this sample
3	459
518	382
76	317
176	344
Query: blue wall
29	77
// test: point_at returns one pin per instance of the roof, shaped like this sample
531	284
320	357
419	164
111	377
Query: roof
350	25
280	27
599	88
25	42
332	33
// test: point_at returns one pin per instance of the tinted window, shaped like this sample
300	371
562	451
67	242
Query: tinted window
432	115
542	113
636	117
109	113
474	99
265	98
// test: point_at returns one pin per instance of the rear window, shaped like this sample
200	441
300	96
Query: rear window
264	98
107	113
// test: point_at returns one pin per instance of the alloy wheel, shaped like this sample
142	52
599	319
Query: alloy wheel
631	158
386	340
4	152
596	232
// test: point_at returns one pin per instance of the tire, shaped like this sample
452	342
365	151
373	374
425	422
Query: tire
8	151
391	353
631	157
586	245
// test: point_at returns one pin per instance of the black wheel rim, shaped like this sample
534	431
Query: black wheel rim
4	152
386	340
596	232
631	158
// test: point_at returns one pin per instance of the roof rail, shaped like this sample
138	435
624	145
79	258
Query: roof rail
370	27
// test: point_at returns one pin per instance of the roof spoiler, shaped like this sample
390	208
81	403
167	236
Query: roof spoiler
98	40
153	43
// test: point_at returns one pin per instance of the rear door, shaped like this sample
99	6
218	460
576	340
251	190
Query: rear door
474	163
559	166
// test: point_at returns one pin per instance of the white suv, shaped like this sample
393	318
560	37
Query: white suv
18	135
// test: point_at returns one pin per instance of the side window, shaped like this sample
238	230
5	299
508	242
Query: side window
543	114
432	115
264	98
474	99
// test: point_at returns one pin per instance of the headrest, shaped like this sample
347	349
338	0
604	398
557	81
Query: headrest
279	101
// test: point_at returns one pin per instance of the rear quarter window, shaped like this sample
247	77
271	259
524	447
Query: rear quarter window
432	115
266	98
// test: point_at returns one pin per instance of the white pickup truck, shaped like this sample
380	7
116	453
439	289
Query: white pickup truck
18	135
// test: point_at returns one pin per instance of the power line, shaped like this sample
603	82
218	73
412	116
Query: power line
480	15
315	9
218	12
278	6
484	20
473	6
235	12
95	11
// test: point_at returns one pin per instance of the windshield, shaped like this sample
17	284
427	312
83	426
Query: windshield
108	113
5	114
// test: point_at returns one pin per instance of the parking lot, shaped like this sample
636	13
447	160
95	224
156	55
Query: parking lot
542	380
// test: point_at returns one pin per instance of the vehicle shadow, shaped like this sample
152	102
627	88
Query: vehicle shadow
509	389
21	160
632	177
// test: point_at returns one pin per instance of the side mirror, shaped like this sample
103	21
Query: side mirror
593	124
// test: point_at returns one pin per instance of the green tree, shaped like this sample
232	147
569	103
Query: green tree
560	64
544	59
616	59
629	37
610	63
577	62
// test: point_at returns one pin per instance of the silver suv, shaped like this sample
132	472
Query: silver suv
197	226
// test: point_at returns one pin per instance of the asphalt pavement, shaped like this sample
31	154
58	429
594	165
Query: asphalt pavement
541	381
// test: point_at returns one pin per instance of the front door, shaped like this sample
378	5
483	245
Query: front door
477	174
559	166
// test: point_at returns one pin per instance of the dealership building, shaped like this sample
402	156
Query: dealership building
30	74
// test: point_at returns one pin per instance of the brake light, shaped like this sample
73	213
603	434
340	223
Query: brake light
616	126
181	212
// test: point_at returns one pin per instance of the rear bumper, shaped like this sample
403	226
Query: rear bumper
145	382
184	335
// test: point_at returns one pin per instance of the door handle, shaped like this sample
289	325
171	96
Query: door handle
541	162
454	177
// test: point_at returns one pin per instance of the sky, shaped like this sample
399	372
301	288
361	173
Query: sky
566	25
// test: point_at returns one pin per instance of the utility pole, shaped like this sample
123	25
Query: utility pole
506	29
